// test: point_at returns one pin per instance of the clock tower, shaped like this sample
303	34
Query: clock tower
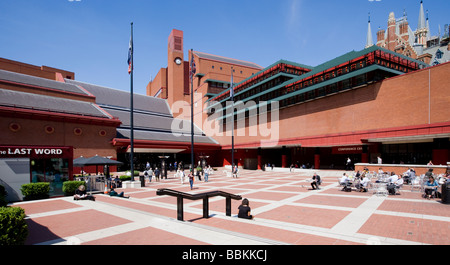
175	67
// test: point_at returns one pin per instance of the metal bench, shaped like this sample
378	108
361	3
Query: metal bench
200	196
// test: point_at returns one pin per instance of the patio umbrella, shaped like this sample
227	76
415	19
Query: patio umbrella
99	160
79	162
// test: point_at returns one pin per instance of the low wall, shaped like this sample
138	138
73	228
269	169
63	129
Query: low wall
400	168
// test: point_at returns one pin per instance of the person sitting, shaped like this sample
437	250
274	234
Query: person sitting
344	180
431	187
118	182
114	193
398	184
244	210
411	175
393	178
363	183
80	194
393	181
316	181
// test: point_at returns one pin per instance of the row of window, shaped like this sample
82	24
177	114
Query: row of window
16	127
289	69
317	93
377	57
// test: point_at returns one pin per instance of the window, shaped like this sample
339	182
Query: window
439	54
52	170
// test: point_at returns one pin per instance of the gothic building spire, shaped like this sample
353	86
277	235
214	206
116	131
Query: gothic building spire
422	22
369	40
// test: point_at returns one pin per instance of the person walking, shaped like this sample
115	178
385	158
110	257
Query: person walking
181	175
235	171
207	171
157	173
191	179
150	174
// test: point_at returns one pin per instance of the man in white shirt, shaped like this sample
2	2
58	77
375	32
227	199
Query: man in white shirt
379	160
363	184
393	178
344	180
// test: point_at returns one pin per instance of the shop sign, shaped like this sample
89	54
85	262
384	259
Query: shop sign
347	150
8	151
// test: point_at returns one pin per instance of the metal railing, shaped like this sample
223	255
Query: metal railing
200	196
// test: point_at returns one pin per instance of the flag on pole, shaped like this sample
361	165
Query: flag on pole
130	54
192	68
231	85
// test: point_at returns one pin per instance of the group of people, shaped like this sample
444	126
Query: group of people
81	194
432	184
361	180
394	182
149	173
197	172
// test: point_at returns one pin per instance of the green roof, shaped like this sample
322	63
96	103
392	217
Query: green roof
318	69
311	88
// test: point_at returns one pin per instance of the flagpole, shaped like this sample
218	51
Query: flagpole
232	123
131	108
191	75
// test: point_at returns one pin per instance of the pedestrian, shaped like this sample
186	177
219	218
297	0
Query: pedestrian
191	179
206	172
379	160
235	171
348	164
145	174
245	210
181	175
157	173
150	174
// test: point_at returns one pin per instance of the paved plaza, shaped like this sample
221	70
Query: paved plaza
287	212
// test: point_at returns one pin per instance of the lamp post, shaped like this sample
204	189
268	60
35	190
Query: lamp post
163	166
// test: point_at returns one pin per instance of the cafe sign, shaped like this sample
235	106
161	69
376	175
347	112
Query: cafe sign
34	151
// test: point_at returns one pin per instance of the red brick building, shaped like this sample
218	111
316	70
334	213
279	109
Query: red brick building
361	105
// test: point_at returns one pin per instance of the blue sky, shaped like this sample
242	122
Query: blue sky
90	37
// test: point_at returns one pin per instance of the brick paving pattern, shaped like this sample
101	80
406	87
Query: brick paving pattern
287	212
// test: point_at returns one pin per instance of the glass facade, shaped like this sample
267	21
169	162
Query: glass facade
52	170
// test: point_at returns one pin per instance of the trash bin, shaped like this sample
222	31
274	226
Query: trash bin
446	193
142	179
